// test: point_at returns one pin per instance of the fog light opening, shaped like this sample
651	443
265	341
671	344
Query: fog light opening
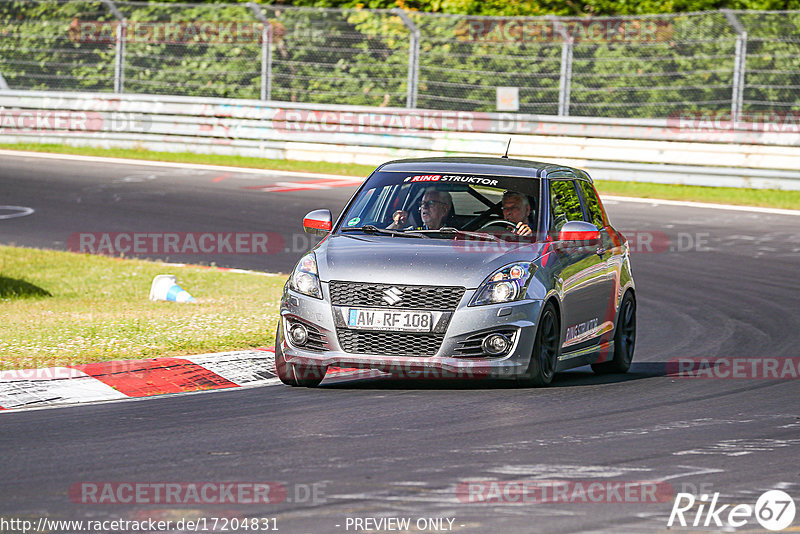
495	344
298	334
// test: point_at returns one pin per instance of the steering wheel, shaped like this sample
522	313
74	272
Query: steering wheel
500	222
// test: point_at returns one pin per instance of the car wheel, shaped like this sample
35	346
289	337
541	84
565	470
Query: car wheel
293	374
546	349
624	339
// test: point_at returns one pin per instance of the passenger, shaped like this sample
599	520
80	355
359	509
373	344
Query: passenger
517	209
434	209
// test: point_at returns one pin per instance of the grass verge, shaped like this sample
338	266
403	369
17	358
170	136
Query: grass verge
769	198
62	308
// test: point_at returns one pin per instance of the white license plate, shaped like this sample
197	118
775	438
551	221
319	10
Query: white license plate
395	320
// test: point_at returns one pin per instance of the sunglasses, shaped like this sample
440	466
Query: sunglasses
430	203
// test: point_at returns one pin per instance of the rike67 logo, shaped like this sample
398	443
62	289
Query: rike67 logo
774	510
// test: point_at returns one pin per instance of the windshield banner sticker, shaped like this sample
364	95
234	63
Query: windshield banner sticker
480	180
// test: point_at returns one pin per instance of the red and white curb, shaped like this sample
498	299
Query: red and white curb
125	379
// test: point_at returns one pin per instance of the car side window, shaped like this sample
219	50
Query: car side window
565	205
592	204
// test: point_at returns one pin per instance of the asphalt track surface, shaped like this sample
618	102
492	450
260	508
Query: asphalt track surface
724	286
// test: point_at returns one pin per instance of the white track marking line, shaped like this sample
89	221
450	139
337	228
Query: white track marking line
174	165
21	211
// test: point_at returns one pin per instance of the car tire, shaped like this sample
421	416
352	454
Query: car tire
546	348
292	374
624	339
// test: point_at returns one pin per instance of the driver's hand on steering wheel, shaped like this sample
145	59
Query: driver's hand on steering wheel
399	219
523	229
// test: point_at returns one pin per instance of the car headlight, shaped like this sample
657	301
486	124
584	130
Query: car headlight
305	278
506	284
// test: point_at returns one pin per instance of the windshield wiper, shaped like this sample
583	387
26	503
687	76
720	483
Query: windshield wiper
370	229
449	230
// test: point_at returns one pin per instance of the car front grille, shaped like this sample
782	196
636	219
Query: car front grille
389	343
410	297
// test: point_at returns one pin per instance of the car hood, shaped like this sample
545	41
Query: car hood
403	260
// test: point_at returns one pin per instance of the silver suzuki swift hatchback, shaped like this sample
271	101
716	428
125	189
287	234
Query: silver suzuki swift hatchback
461	268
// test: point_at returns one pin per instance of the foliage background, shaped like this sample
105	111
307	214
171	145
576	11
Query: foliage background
360	56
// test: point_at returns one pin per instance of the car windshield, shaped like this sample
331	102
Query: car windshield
444	206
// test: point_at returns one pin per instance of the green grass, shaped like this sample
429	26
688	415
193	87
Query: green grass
721	195
61	308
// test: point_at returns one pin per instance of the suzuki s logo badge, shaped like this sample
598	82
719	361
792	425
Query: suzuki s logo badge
392	296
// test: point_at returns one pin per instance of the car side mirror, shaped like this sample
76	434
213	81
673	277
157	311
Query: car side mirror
579	233
318	222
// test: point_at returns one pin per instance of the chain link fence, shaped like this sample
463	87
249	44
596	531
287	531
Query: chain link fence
735	62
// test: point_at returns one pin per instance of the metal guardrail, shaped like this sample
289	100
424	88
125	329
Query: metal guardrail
654	150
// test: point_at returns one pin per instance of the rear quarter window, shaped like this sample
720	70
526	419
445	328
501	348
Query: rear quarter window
592	203
565	205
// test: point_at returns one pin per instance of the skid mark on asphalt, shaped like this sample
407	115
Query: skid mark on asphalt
639	510
308	185
135	178
547	471
740	447
609	435
221	177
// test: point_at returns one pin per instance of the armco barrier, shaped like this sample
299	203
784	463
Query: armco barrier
688	150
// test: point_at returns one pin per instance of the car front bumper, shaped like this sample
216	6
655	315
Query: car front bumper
466	322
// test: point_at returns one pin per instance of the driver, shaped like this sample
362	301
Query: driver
517	209
433	209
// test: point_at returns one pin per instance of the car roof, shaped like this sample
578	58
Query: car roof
478	165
